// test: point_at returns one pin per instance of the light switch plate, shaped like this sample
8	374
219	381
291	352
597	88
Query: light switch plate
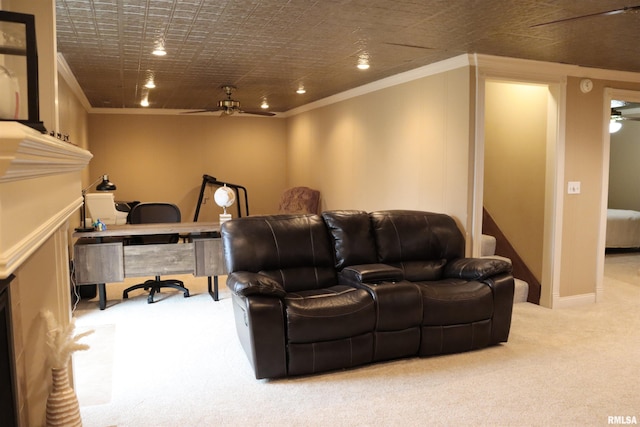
573	187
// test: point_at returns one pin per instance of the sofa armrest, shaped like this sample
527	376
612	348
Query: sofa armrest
476	268
246	283
371	273
502	286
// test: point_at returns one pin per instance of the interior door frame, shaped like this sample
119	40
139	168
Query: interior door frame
555	171
609	94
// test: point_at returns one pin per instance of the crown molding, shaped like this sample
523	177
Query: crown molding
65	71
450	64
501	65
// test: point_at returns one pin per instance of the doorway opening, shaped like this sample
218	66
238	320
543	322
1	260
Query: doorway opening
620	214
520	128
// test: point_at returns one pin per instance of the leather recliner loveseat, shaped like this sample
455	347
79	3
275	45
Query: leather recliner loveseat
314	293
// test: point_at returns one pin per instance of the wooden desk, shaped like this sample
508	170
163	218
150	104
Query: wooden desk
103	257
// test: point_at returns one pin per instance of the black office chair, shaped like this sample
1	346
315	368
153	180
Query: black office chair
148	213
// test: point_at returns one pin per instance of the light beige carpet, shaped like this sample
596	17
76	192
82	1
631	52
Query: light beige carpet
93	369
178	362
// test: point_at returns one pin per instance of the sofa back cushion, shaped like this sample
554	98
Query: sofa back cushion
352	237
293	249
418	242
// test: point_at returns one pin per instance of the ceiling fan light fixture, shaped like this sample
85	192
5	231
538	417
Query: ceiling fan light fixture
614	126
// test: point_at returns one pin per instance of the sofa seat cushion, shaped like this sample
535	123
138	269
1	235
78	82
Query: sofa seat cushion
455	301
328	314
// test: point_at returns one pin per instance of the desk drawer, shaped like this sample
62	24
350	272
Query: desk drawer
209	257
97	262
159	260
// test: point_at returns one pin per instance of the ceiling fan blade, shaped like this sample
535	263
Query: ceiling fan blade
208	110
258	113
415	46
625	9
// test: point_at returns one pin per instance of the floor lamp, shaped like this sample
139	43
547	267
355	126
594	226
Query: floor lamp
105	185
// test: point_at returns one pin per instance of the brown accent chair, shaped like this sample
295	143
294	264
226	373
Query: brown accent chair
299	200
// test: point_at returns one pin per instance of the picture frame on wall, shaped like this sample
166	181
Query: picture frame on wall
19	70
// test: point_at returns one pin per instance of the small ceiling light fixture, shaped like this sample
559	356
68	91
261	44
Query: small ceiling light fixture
264	104
614	126
159	49
301	90
363	61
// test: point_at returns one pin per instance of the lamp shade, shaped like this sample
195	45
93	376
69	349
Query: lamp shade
106	185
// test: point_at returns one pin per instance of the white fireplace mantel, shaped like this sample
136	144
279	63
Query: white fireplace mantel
40	188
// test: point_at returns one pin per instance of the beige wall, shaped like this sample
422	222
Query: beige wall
515	157
581	219
161	158
74	119
624	173
404	147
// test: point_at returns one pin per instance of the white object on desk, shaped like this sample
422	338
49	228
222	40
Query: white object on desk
103	206
224	197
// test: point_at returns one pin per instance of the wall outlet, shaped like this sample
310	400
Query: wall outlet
573	187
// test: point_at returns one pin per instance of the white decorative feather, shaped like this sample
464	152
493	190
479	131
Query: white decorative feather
61	340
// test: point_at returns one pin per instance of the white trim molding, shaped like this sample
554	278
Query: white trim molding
26	153
12	257
40	188
65	71
573	301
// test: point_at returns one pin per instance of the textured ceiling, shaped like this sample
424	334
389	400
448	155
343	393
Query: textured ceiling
267	48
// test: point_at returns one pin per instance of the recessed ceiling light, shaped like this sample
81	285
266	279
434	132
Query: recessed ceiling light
363	61
150	84
264	104
301	90
159	51
144	102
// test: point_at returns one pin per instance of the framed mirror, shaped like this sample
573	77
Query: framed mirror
19	70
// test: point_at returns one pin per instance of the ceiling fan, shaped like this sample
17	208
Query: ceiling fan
626	9
617	114
230	106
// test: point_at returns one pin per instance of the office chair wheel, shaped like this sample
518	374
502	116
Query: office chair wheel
150	299
186	294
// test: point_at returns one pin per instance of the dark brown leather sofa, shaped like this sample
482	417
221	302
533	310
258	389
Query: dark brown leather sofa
314	293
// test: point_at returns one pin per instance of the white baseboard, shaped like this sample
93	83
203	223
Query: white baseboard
573	301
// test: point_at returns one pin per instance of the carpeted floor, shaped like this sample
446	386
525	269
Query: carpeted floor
178	362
